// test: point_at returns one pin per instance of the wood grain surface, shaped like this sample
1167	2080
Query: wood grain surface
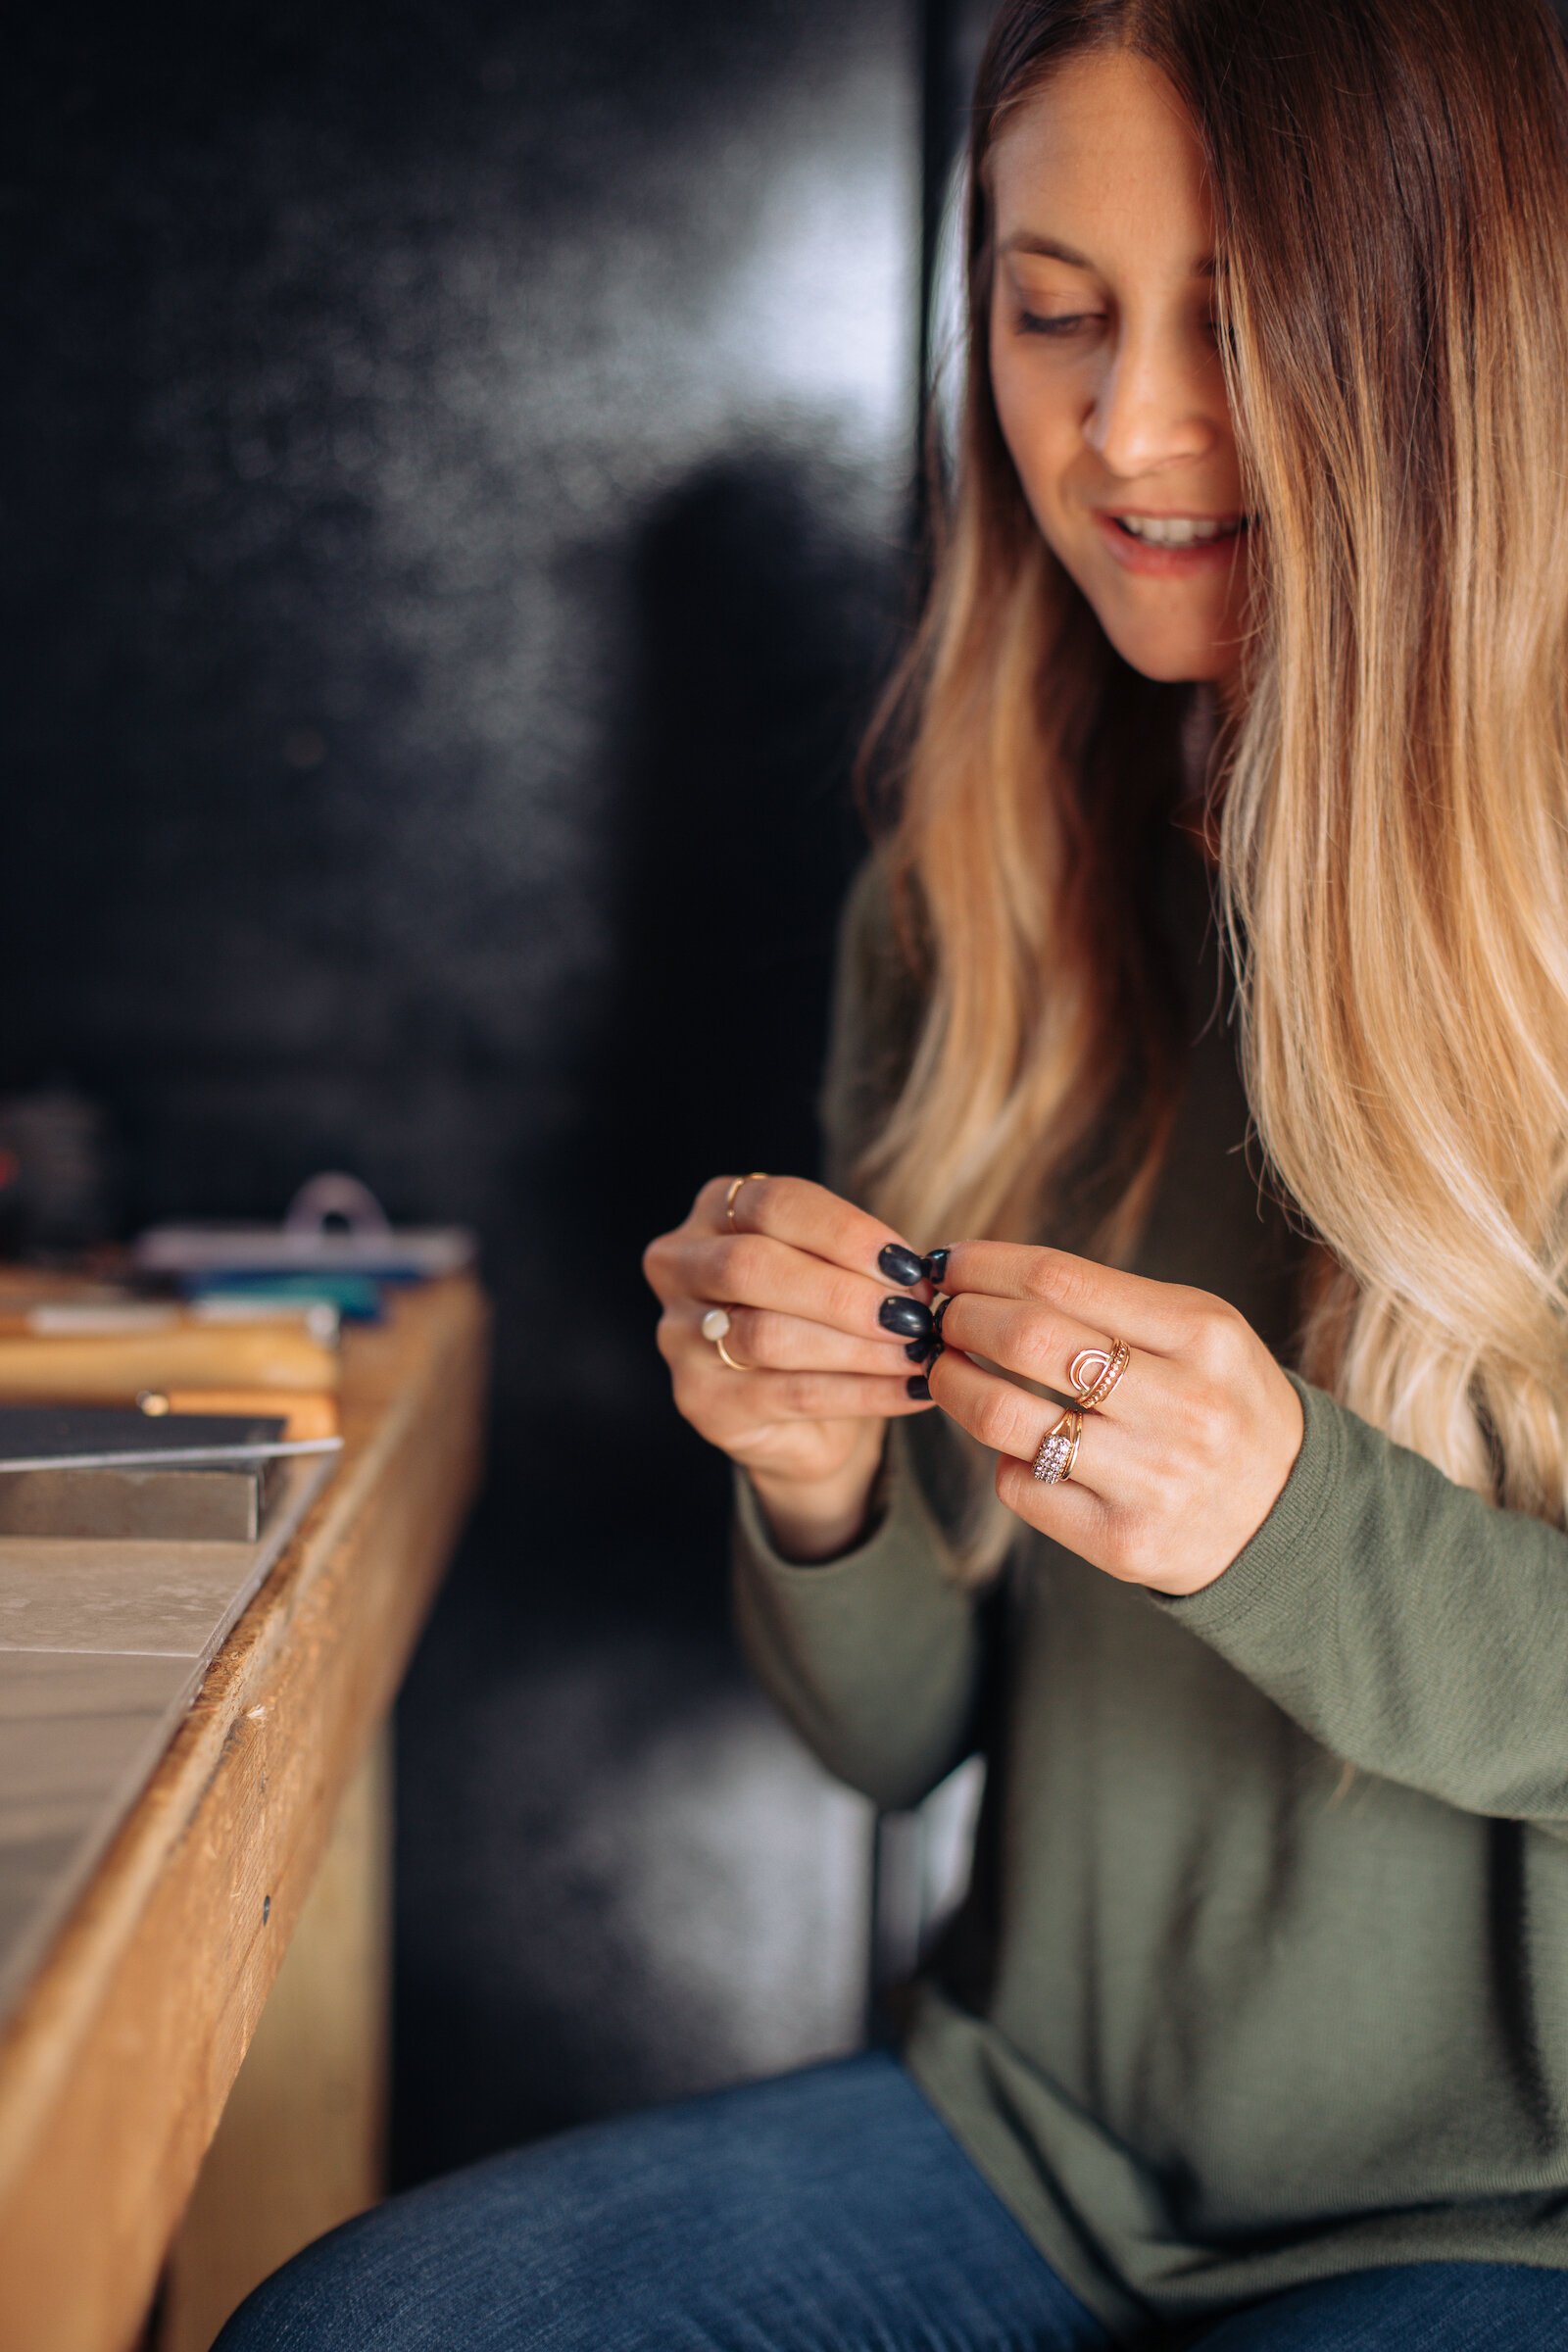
115	2067
301	2143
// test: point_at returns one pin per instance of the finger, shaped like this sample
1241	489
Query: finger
761	1336
1039	1343
808	1216
823	1395
1069	1513
753	1269
1072	1511
1160	1316
1010	1421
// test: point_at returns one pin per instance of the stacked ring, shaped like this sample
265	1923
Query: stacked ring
1094	1371
729	1197
1059	1448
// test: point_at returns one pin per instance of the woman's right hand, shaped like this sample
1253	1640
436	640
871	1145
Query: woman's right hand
800	1274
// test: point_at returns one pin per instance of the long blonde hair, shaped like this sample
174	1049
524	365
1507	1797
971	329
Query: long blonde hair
1391	192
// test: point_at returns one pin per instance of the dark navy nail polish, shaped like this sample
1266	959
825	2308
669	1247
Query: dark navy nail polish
900	1264
942	1305
935	1263
918	1385
911	1318
919	1349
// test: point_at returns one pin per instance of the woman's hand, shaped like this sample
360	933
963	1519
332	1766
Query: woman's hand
831	1331
1184	1459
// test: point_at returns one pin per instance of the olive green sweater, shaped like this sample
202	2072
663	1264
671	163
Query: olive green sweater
1216	2016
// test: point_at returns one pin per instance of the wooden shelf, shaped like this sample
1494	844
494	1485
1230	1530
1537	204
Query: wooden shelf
116	2065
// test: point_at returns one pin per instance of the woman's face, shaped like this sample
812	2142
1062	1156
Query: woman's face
1105	360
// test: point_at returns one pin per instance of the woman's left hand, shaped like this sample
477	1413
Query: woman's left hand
1183	1460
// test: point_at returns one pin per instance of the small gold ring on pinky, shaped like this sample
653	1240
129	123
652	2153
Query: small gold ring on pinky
1059	1448
1094	1371
729	1197
714	1325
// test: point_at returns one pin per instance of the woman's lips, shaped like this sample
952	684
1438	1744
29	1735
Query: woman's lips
1168	562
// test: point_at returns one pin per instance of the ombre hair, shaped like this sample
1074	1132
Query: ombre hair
1389	185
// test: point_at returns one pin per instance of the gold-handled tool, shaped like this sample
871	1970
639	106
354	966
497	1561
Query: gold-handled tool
303	1416
115	1368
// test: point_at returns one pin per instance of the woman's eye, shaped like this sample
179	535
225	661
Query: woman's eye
1031	323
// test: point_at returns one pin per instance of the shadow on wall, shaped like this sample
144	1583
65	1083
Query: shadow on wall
760	630
654	1889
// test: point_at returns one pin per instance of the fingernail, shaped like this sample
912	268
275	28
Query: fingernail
910	1317
919	1349
918	1385
941	1307
900	1264
935	1263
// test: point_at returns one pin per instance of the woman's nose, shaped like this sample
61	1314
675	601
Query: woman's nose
1149	410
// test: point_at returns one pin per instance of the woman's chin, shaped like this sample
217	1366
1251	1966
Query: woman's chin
1172	659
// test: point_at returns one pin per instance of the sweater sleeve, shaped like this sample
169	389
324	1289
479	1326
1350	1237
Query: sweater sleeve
1412	1627
873	1656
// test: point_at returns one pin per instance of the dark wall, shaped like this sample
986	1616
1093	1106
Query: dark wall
455	490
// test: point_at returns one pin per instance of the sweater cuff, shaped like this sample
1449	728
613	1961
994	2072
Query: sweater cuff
1267	1573
904	1529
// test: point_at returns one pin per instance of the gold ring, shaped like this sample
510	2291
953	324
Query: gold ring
1094	1371
729	1197
714	1325
1059	1448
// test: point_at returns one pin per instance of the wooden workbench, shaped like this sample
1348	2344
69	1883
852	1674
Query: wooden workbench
117	2065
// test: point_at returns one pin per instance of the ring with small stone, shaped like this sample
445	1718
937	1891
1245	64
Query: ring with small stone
1059	1448
714	1325
729	1197
1094	1371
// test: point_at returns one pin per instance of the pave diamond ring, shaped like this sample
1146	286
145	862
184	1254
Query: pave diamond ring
1059	1448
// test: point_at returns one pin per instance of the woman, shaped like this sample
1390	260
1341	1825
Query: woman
1254	2027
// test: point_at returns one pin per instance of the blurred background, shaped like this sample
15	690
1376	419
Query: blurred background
458	468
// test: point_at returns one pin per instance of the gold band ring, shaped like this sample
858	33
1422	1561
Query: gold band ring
714	1325
1059	1448
729	1197
1094	1371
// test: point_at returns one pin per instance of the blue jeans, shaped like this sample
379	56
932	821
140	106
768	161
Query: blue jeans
827	2210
